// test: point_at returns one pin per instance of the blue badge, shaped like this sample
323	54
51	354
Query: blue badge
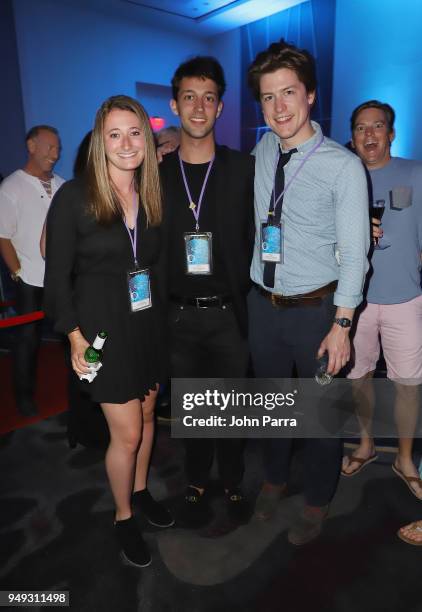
139	290
198	252
271	242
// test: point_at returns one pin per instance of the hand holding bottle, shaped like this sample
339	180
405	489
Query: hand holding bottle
93	356
78	346
86	358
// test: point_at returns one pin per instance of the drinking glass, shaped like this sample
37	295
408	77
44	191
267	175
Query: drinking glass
377	211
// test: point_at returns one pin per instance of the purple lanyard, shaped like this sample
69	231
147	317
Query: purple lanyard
290	181
133	239
196	209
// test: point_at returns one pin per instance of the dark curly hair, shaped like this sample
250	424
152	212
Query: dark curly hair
201	66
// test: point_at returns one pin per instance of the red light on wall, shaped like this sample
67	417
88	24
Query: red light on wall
157	123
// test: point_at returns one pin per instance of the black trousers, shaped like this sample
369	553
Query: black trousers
207	343
281	338
27	341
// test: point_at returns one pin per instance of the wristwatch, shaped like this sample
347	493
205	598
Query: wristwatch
343	322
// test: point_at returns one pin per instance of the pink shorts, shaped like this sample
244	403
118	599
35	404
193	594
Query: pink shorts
399	327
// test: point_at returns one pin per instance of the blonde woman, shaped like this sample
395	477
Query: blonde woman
103	239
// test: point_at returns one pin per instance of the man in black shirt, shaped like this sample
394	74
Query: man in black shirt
208	227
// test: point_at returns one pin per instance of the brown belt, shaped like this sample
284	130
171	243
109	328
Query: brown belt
304	299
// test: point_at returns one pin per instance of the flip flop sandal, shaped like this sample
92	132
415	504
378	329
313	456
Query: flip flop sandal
362	463
408	480
417	526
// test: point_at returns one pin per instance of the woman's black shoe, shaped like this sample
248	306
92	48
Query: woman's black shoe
154	512
134	549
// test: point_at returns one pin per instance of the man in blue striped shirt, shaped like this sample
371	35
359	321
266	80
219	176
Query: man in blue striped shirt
309	263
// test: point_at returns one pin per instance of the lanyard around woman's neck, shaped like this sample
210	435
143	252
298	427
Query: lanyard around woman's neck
133	237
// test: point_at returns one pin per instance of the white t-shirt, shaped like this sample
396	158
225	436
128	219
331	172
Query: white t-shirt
23	207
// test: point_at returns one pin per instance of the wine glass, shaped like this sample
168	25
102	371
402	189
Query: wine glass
377	211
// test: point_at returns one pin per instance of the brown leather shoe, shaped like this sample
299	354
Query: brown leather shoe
308	525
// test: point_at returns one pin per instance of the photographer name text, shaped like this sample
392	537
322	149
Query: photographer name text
235	421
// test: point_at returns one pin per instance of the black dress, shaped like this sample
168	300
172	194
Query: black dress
86	286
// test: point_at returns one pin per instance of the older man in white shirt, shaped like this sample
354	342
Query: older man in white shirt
25	197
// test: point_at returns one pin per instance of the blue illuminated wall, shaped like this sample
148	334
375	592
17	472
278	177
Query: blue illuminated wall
226	48
378	54
12	151
155	100
309	25
71	59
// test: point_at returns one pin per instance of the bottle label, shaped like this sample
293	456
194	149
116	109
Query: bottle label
98	343
89	377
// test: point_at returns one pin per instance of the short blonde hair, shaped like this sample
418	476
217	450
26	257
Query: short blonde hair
104	203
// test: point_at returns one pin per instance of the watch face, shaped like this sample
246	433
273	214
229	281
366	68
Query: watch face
343	322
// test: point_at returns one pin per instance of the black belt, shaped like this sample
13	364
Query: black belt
304	299
212	301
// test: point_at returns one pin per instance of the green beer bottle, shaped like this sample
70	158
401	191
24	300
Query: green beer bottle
94	352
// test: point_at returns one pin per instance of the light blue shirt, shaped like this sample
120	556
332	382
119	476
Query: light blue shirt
325	218
395	274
